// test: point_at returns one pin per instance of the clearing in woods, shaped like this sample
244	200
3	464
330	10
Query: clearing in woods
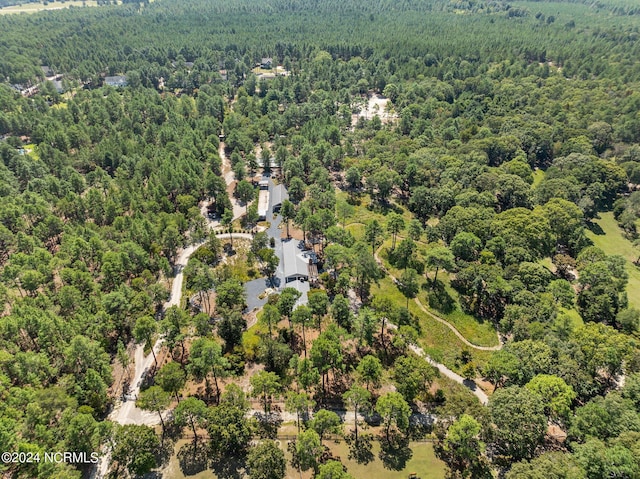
38	7
422	461
612	241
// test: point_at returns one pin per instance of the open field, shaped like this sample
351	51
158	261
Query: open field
612	241
363	213
436	339
474	331
422	461
37	7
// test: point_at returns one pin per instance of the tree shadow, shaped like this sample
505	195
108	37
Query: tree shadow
439	299
172	431
164	452
595	228
395	452
384	207
421	425
361	450
268	424
193	458
229	468
354	198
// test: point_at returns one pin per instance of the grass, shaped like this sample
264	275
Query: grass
364	211
356	229
37	7
480	333
423	462
574	317
476	332
613	241
538	176
32	151
436	339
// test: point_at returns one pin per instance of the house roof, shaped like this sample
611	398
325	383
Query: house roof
46	70
272	162
279	194
118	80
263	203
266	60
296	260
58	86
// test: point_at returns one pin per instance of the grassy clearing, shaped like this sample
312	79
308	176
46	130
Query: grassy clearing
480	333
32	151
476	332
356	229
538	176
436	339
364	211
423	462
37	7
574	317
612	241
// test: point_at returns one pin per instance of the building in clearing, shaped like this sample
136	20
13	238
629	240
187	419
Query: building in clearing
299	268
118	81
299	264
263	199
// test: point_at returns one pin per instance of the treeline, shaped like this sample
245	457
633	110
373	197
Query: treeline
382	32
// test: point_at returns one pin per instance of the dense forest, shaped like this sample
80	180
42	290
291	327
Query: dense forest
466	174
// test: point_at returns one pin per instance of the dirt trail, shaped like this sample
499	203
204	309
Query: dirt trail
227	174
438	318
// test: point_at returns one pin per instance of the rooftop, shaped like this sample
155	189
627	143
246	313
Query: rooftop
279	194
118	80
296	260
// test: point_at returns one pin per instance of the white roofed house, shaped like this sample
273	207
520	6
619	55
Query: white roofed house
300	267
118	81
263	199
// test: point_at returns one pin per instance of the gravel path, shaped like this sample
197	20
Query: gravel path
438	318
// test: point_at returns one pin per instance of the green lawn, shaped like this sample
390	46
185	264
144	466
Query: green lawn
480	333
364	212
422	461
32	151
612	241
356	229
474	331
437	339
538	176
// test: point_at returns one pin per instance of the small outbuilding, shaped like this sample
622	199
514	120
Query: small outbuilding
118	81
